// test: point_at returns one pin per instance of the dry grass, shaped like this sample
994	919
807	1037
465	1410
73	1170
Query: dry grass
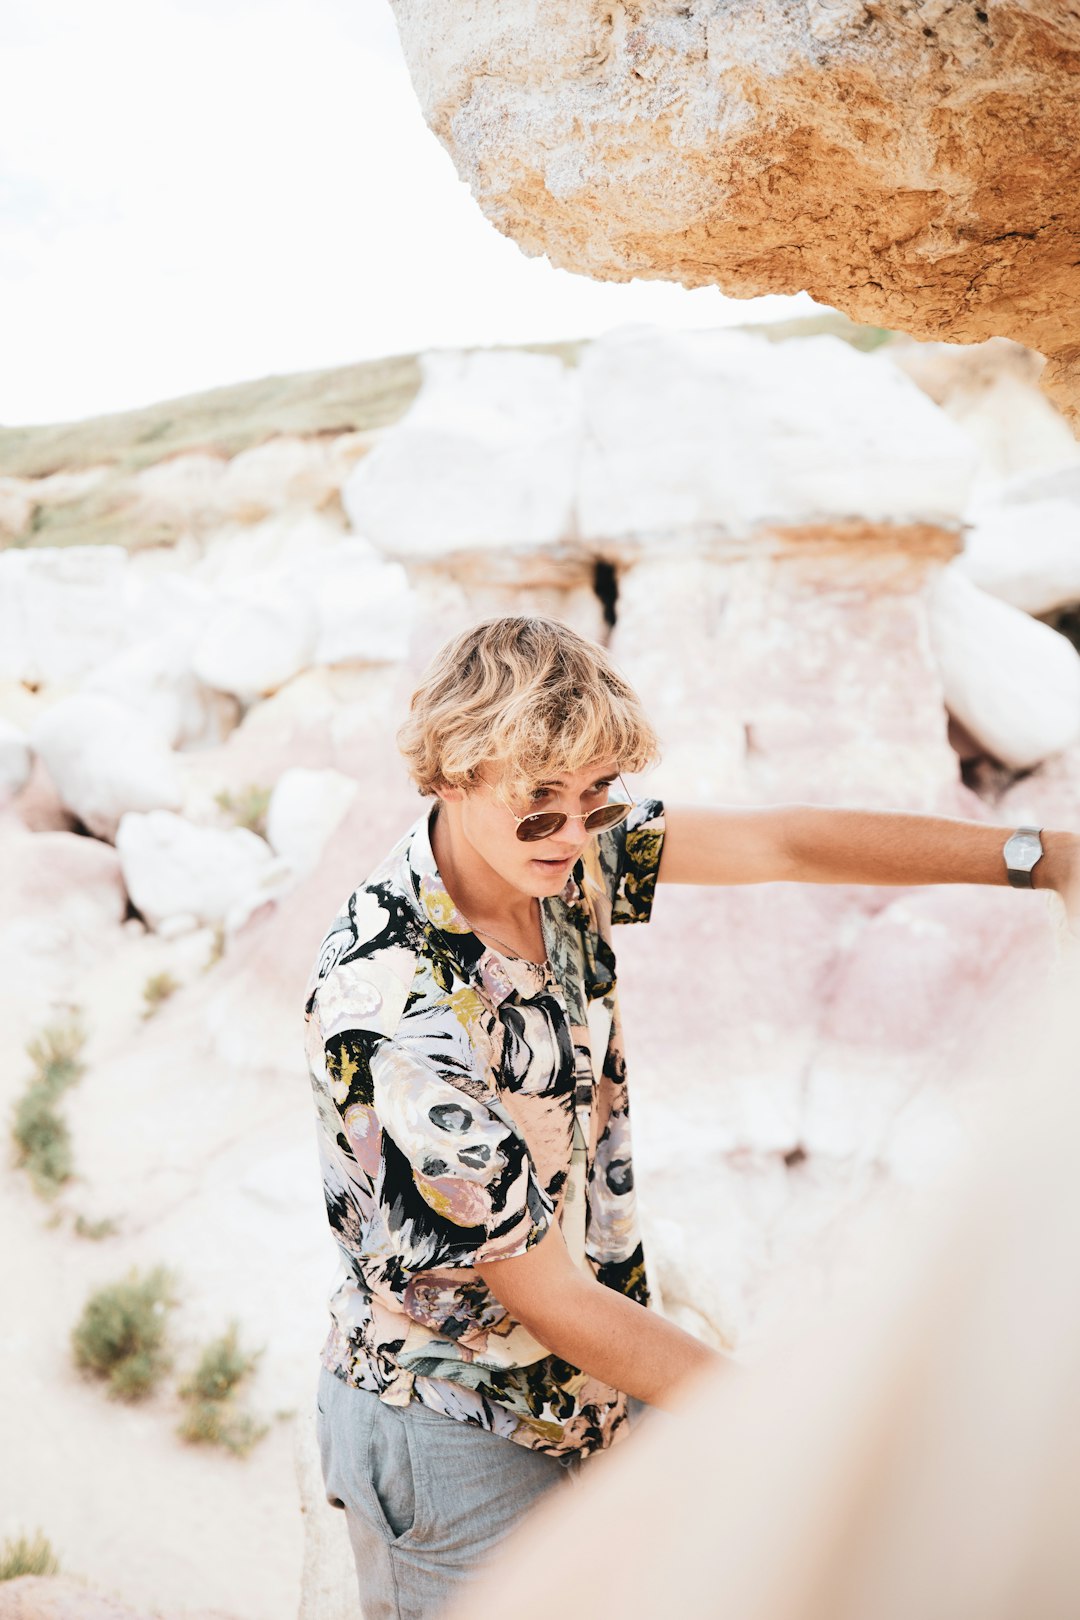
224	421
27	1555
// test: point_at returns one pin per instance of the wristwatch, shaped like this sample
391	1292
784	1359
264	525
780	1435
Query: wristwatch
1021	852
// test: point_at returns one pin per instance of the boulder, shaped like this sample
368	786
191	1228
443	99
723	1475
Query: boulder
155	678
992	391
62	611
857	152
64	902
256	641
16	760
180	492
215	874
484	460
305	808
1013	683
285	471
237	555
105	758
1026	551
365	606
693	435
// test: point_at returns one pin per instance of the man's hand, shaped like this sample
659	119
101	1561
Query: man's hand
591	1326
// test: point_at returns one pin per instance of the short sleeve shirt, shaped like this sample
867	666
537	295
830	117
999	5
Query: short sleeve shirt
465	1099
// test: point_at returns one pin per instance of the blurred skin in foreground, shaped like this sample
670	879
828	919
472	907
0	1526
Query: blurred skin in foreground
914	1455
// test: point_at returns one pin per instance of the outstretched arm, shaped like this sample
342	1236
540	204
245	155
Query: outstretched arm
800	843
593	1327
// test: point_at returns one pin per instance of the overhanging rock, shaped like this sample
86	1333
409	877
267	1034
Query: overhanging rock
913	163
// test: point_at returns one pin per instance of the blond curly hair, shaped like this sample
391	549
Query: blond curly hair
526	696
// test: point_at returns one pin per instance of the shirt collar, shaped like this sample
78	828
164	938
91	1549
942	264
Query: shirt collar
497	975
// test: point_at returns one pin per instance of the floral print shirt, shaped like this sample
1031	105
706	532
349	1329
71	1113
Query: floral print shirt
465	1099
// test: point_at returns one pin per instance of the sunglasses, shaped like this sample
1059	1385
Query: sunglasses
542	823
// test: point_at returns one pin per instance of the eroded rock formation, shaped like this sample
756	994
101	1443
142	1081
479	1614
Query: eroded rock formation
913	163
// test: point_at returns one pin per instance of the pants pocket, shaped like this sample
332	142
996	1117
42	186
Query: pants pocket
391	1472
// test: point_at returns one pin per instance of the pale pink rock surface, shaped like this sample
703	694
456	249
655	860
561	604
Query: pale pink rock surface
62	1597
63	902
39	806
775	690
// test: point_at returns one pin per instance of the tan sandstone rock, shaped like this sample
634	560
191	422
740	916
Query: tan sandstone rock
910	162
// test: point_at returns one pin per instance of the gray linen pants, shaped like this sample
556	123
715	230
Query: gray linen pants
426	1497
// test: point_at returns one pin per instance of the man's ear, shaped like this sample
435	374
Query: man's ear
452	795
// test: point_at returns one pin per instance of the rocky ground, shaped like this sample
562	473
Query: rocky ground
834	570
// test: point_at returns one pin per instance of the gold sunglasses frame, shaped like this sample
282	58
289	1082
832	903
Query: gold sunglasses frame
582	816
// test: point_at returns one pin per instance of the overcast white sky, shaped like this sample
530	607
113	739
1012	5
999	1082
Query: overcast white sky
195	192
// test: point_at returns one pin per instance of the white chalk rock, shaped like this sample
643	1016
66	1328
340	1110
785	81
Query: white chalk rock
62	611
16	759
365	607
237	554
725	431
1026	552
155	677
105	758
305	808
284	471
173	868
258	640
1012	682
485	458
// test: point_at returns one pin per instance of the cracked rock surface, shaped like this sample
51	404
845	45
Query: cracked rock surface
913	163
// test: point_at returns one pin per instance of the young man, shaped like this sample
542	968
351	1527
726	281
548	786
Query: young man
491	1329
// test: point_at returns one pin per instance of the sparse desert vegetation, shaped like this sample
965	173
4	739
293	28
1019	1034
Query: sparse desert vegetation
39	1130
27	1555
121	1335
212	1416
247	808
157	990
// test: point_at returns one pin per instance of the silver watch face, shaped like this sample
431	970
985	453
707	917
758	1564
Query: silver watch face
1023	850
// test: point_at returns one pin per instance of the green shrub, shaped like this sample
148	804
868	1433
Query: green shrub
218	1423
212	1416
103	1228
221	1367
121	1335
39	1130
248	809
57	1053
158	988
42	1140
27	1555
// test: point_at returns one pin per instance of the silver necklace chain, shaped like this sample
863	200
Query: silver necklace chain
517	956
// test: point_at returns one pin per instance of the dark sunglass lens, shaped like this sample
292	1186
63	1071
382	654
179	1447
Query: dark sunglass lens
541	825
608	815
